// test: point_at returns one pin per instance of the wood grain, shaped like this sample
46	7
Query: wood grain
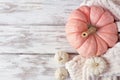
30	67
27	67
36	12
30	31
34	26
33	39
29	26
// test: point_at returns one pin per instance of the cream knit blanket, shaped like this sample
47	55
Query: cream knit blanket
112	55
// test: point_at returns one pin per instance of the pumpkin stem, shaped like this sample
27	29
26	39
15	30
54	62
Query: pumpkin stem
91	29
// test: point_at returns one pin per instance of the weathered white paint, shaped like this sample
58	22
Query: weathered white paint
33	39
27	67
28	27
30	67
36	11
34	26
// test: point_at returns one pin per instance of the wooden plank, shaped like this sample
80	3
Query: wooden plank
36	11
34	26
27	67
33	39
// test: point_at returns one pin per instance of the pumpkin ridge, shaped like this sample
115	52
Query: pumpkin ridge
99	16
76	26
82	39
111	25
74	17
104	25
89	15
78	20
107	26
98	43
102	39
101	35
90	46
110	15
108	33
82	43
88	21
80	47
109	44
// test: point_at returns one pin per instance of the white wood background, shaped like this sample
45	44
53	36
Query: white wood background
30	32
34	26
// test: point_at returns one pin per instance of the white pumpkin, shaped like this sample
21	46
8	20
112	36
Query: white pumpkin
95	65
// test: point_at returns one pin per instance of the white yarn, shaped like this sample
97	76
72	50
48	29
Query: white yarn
112	55
74	68
113	58
106	78
61	74
96	65
61	57
77	71
110	78
85	73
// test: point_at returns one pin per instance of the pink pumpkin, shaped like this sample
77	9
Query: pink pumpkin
91	30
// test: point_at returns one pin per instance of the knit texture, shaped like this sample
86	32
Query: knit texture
77	70
74	67
112	56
